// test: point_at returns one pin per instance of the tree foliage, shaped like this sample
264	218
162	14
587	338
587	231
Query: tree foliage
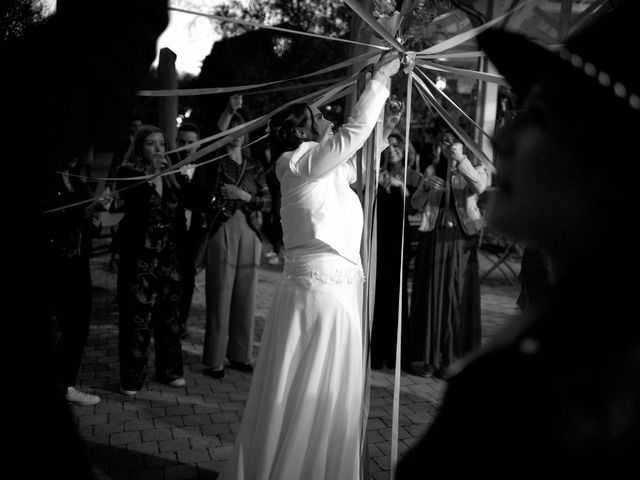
247	55
326	17
16	16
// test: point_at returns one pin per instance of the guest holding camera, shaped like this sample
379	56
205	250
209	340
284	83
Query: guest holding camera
231	192
445	300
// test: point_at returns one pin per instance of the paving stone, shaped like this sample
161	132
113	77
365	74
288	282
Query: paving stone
125	438
138	425
186	432
157	434
94	419
180	410
107	429
203	419
162	459
174	445
216	429
149	448
204	441
194	456
224	417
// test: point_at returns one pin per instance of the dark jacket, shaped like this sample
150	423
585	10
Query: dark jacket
206	199
144	229
69	231
559	395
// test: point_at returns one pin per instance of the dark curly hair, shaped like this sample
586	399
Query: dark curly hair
282	129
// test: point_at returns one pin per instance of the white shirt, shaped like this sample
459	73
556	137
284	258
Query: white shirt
318	203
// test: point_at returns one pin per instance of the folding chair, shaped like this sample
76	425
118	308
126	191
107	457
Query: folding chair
498	249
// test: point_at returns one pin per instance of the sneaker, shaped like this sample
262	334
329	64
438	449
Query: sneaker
80	398
270	254
129	393
178	382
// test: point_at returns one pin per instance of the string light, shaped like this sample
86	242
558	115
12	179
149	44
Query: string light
604	79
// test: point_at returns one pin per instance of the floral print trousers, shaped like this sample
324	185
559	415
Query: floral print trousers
149	296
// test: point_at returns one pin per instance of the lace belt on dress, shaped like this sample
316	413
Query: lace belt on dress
322	269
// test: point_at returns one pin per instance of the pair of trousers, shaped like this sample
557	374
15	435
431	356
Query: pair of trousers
70	287
231	279
149	296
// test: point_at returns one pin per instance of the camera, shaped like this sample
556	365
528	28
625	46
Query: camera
220	208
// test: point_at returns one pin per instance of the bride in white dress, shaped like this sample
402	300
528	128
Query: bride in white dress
302	420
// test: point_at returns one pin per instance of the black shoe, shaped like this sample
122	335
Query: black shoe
243	367
210	372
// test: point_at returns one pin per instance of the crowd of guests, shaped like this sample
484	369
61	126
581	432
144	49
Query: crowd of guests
200	217
216	217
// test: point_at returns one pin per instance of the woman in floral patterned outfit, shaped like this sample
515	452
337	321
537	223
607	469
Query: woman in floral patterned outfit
151	235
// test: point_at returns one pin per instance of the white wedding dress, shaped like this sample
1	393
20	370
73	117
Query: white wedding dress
303	417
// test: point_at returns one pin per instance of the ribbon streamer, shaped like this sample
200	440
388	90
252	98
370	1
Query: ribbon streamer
231	133
269	27
217	90
429	98
455	106
449	55
463	72
395	415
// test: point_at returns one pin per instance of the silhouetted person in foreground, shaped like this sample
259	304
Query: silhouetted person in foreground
559	393
69	76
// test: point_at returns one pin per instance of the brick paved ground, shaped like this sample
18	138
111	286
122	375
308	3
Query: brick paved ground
187	433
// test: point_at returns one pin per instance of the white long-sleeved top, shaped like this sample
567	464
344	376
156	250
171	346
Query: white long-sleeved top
318	203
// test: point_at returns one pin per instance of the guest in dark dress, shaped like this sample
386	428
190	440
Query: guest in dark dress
445	297
152	235
390	202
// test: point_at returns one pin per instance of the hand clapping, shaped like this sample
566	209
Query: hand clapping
433	182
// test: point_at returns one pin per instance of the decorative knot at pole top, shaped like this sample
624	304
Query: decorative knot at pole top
409	60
